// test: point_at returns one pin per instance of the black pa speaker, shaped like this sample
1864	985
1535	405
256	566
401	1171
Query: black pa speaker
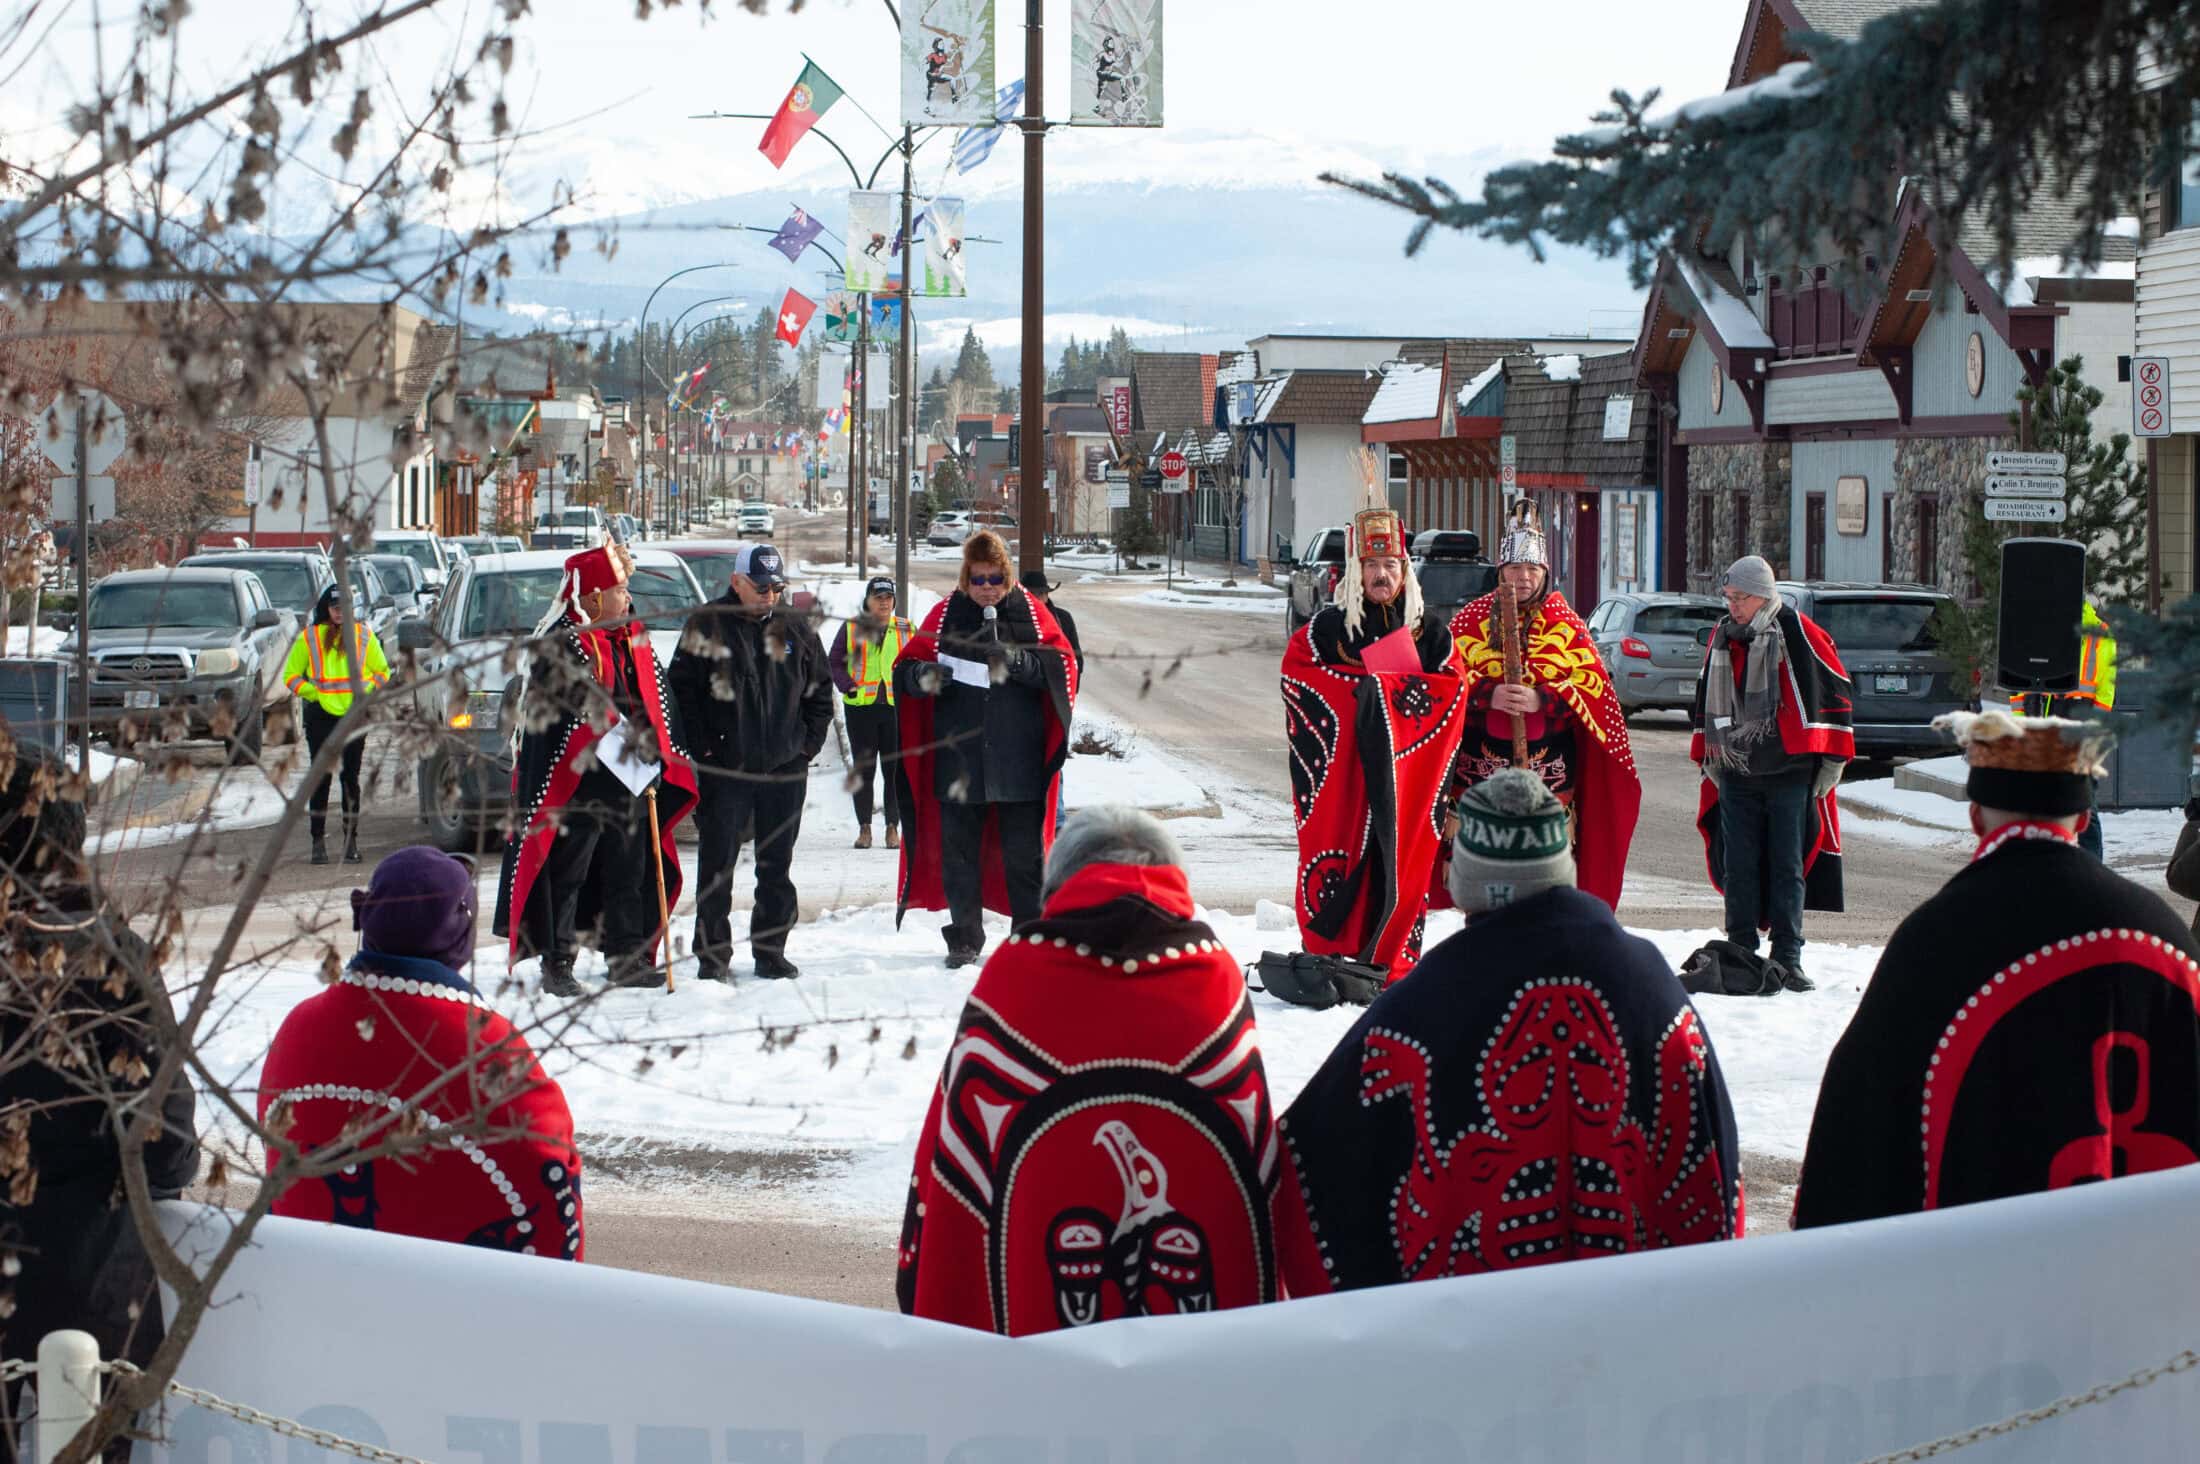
2042	598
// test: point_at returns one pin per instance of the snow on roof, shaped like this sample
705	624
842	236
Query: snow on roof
2026	273
1409	393
1489	374
1244	366
1561	368
1730	317
1271	392
1796	79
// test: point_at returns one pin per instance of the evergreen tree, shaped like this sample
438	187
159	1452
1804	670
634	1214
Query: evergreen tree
1135	533
947	484
2105	505
932	405
973	367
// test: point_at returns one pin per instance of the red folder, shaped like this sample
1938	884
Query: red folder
1393	655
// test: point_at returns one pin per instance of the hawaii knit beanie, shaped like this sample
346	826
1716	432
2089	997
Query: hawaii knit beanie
1514	841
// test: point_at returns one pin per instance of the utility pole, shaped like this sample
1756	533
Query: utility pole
83	599
906	380
1030	394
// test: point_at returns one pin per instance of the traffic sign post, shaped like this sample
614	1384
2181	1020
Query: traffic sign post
2025	485
2026	510
1174	471
2150	404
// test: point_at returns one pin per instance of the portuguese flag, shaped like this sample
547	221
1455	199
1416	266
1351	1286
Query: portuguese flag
812	93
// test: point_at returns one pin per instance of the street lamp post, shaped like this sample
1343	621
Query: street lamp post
641	384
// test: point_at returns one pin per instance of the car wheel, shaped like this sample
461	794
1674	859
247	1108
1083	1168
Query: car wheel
244	743
450	827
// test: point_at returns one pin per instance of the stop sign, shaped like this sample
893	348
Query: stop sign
1173	464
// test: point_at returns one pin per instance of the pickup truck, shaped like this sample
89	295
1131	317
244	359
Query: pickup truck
1314	573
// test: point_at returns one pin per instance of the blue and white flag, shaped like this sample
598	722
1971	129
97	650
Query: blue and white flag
973	145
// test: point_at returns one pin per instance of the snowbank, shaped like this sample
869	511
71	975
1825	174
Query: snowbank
34	640
1254	599
2138	838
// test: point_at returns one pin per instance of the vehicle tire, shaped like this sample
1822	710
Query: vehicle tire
450	828
244	743
1290	618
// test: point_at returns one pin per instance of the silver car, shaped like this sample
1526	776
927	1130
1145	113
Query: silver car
188	645
1653	645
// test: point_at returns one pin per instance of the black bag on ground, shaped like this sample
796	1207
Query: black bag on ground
1315	981
1723	968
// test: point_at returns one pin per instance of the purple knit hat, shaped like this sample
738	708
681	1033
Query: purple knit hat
420	902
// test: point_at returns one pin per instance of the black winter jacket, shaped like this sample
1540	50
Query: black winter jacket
82	1264
753	690
993	739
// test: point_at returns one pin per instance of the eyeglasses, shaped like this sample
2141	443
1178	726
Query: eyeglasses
989	579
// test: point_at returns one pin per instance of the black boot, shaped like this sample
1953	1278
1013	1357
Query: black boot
319	828
351	838
557	978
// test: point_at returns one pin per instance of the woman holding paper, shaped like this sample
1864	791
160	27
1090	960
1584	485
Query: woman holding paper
985	694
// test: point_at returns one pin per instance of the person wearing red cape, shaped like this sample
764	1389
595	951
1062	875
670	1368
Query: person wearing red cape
1576	729
582	851
1372	716
1101	1142
985	691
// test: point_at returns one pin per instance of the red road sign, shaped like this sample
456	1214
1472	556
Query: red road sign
1173	464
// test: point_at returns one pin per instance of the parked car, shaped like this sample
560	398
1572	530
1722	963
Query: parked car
194	641
295	578
1315	572
491	605
422	548
753	521
371	598
1653	646
401	577
948	529
1888	639
478	544
711	562
565	541
1451	569
626	528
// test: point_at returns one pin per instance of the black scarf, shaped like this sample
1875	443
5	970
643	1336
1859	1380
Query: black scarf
964	631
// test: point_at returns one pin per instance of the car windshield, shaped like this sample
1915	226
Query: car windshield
1330	548
513	602
164	603
1879	625
1454	582
400	574
364	586
714	572
419	551
1684	620
511	546
288	582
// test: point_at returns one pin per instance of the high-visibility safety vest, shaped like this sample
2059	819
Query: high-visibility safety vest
871	664
322	675
2096	666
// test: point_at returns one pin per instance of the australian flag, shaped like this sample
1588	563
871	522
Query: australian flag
973	145
795	235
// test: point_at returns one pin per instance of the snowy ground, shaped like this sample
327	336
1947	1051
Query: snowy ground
1247	596
2138	839
34	640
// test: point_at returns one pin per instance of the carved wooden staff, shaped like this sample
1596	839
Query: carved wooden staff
1508	644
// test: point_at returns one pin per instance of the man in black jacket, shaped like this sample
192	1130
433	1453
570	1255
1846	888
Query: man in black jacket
79	1029
755	700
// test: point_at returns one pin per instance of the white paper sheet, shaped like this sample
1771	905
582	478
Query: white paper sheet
620	751
969	673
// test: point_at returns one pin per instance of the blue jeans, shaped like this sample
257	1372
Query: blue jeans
1761	826
2090	839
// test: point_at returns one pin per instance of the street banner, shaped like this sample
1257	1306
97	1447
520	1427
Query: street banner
1887	1334
807	100
872	220
885	317
1115	63
946	62
842	316
943	249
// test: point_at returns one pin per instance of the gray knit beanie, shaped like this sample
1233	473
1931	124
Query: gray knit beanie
1515	840
1752	576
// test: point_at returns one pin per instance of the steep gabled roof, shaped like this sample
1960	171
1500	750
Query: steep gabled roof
1168	390
1314	398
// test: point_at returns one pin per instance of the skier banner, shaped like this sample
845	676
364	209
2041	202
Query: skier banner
1115	63
1867	1338
873	223
946	62
943	249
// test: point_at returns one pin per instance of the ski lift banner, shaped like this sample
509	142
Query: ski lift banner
873	224
1886	1335
1115	63
945	265
946	62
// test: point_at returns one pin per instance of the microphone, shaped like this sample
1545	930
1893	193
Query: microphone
993	621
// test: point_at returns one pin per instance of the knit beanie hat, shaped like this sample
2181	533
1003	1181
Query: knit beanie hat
1514	841
1752	576
420	902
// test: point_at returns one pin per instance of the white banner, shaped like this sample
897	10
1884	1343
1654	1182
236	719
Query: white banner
1831	1345
944	272
1115	63
946	62
873	223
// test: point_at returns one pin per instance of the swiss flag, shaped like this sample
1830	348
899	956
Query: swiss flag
794	314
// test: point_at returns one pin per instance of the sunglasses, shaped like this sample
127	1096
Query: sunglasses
989	579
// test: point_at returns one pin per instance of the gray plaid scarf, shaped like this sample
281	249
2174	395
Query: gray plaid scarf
1730	730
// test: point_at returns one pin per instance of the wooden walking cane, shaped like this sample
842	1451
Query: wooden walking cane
664	913
1508	643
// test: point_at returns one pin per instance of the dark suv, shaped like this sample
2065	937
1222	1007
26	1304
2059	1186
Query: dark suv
1885	636
1314	575
1451	569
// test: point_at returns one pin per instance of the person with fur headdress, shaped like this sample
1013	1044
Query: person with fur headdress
1565	705
1371	690
582	847
2031	1027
